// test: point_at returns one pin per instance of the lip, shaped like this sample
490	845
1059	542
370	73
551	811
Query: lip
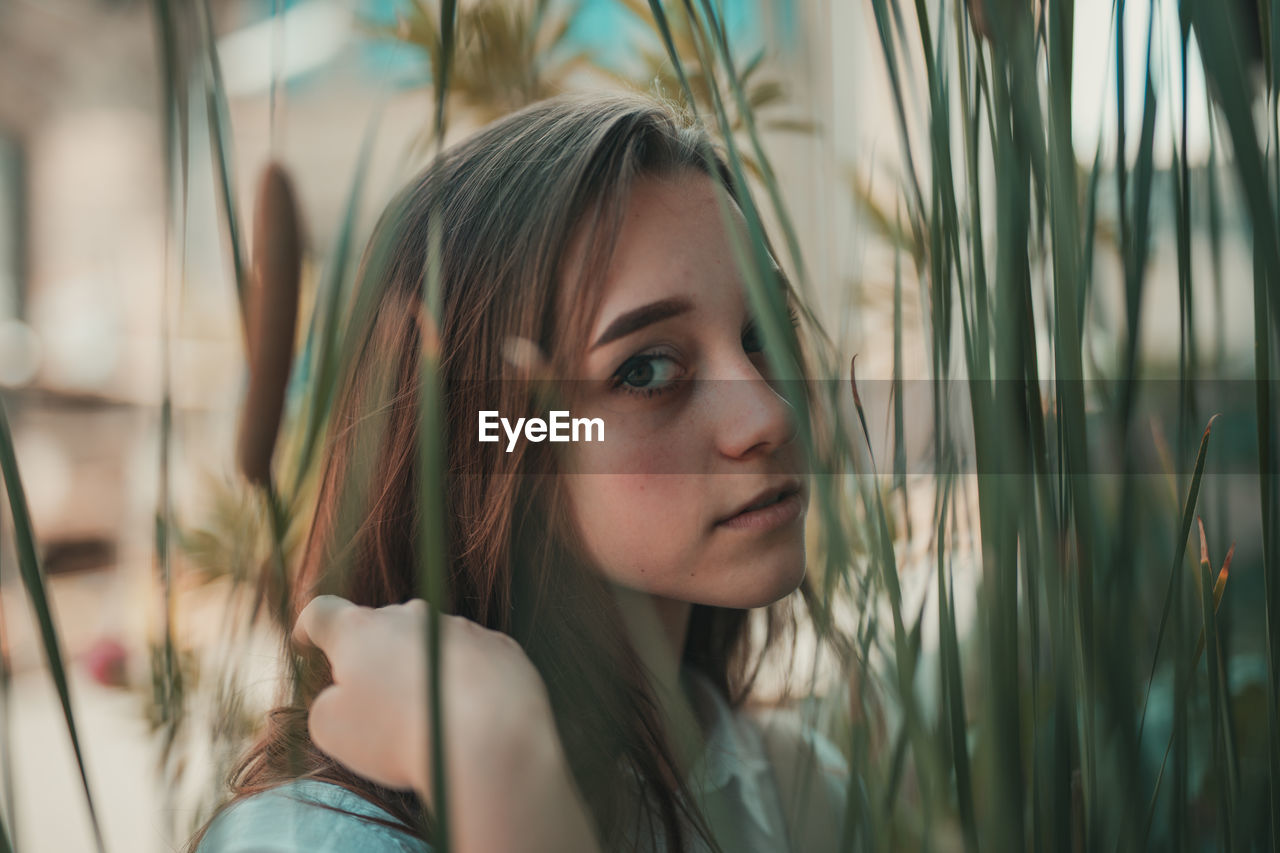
776	514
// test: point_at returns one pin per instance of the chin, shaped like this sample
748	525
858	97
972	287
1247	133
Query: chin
775	582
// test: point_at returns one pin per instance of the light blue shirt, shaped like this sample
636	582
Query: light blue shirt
292	818
744	795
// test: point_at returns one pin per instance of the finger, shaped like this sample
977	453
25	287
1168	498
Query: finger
324	720
316	623
339	729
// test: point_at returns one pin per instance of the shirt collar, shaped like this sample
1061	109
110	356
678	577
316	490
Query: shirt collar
734	752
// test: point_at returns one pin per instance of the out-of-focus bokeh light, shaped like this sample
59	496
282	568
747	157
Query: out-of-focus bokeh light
48	493
80	334
301	39
19	353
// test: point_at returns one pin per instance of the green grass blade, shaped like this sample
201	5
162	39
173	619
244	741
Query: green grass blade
1180	550
432	533
432	441
1219	35
899	414
663	24
448	36
220	141
1187	350
33	580
175	66
746	114
1122	123
953	685
906	641
884	30
6	714
1217	695
323	349
1004	503
174	96
1264	407
1090	234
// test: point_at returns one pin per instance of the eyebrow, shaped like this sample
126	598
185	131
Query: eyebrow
645	315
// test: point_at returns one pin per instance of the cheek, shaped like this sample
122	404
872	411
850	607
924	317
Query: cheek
639	498
637	526
642	444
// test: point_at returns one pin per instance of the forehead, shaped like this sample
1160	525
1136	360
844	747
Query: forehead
674	239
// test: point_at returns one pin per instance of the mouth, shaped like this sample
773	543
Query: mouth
776	504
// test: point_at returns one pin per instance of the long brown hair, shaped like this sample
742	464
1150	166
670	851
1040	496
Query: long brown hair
506	206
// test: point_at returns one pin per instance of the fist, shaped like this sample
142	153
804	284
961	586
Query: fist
374	718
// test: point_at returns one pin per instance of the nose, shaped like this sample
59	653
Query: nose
752	417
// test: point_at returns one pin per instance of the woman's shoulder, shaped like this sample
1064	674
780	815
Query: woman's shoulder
306	816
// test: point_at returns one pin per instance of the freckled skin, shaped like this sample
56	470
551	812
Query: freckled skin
647	499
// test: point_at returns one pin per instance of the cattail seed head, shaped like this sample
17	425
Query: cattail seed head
271	314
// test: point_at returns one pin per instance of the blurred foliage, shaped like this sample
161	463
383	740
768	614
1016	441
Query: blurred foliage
508	54
511	53
765	92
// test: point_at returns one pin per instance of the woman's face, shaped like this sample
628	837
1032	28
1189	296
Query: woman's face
693	430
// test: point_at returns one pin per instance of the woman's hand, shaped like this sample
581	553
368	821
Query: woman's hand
509	783
374	717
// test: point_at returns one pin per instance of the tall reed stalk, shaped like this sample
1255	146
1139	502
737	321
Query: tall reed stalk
1073	647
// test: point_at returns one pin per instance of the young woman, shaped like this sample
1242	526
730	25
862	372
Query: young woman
597	655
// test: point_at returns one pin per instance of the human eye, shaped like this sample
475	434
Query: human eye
646	374
751	339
